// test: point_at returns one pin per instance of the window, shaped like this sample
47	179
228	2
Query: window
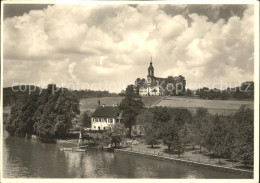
104	128
111	120
94	126
99	128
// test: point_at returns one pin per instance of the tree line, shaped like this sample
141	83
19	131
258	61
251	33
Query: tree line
245	91
48	115
12	94
229	136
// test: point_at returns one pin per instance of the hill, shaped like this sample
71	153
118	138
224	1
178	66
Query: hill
214	106
92	103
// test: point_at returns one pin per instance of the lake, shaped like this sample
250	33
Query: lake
30	158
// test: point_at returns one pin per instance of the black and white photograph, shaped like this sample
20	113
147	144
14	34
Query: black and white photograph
129	90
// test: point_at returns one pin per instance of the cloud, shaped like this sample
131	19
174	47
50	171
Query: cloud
114	43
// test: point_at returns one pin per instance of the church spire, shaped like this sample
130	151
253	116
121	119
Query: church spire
151	69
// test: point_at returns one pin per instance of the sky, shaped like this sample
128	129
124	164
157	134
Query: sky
106	47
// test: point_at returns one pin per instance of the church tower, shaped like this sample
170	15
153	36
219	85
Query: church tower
150	75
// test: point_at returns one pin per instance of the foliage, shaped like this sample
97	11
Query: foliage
188	92
113	135
244	91
93	94
22	115
48	115
151	134
85	119
168	124
12	94
244	135
55	113
131	105
225	136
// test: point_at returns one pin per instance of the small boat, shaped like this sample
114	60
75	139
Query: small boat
73	149
67	149
79	150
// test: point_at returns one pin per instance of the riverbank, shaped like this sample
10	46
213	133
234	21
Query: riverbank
191	154
21	160
182	161
190	157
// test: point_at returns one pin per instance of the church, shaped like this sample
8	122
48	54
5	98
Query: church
160	86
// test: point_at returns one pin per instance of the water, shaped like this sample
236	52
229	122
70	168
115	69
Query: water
31	158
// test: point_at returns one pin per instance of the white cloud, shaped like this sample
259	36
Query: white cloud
114	43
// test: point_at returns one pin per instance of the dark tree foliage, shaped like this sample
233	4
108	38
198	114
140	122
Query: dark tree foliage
244	135
200	127
112	135
131	105
22	116
170	125
12	94
93	94
229	136
188	92
56	111
244	91
85	120
48	115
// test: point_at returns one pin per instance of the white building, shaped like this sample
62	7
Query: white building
106	116
154	85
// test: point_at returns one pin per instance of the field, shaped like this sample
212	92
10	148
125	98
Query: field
214	106
92	103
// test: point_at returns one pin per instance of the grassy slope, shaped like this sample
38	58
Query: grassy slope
214	106
92	103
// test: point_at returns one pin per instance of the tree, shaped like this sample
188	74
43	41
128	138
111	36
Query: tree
85	119
57	108
200	128
218	135
244	135
171	125
224	95
113	135
131	105
188	92
151	134
117	134
105	138
22	115
173	134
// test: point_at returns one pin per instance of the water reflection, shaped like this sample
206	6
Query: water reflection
31	158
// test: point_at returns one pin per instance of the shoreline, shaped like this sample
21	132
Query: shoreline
187	162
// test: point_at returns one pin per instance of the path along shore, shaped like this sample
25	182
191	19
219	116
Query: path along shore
183	161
